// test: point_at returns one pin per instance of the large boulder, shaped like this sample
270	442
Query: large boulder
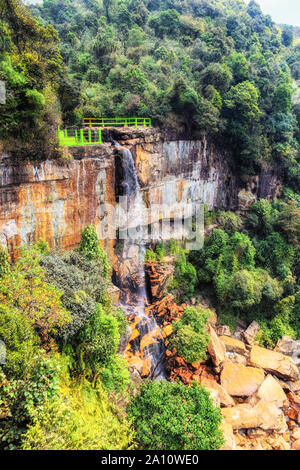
237	358
216	348
266	416
250	333
239	380
211	385
233	345
270	391
229	438
274	362
289	347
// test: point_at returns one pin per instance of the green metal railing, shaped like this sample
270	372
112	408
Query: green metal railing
112	122
91	133
71	137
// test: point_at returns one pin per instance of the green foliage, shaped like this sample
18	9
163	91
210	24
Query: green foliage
19	340
183	282
18	397
4	262
172	416
29	64
189	335
81	418
90	246
207	68
83	282
37	300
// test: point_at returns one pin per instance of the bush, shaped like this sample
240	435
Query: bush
173	416
82	418
19	340
189	334
90	246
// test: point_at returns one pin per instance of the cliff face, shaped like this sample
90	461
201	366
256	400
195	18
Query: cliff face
56	200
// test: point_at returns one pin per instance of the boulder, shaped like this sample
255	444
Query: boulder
236	358
264	415
216	348
289	347
271	391
210	385
238	333
251	332
296	433
233	345
223	330
239	380
229	438
296	444
274	362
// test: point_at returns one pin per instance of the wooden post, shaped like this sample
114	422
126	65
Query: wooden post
81	136
136	123
100	136
144	122
90	136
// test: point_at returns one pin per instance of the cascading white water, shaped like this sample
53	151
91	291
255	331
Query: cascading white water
134	252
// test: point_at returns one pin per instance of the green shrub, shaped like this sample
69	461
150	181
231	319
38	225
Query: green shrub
90	246
81	418
189	335
19	340
173	416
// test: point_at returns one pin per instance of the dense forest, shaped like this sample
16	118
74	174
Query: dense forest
214	68
218	69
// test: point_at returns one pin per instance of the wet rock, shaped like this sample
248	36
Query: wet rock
250	333
216	348
233	345
239	380
158	275
124	340
274	362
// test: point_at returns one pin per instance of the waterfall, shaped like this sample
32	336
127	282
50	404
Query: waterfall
133	254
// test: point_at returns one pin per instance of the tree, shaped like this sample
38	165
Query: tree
241	105
173	416
189	335
90	246
19	340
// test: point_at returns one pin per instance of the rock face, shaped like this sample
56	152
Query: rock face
239	380
274	362
56	200
158	275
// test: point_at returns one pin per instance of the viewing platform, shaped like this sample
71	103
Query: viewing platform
91	132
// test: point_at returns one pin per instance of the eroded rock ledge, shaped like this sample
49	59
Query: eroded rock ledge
55	200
